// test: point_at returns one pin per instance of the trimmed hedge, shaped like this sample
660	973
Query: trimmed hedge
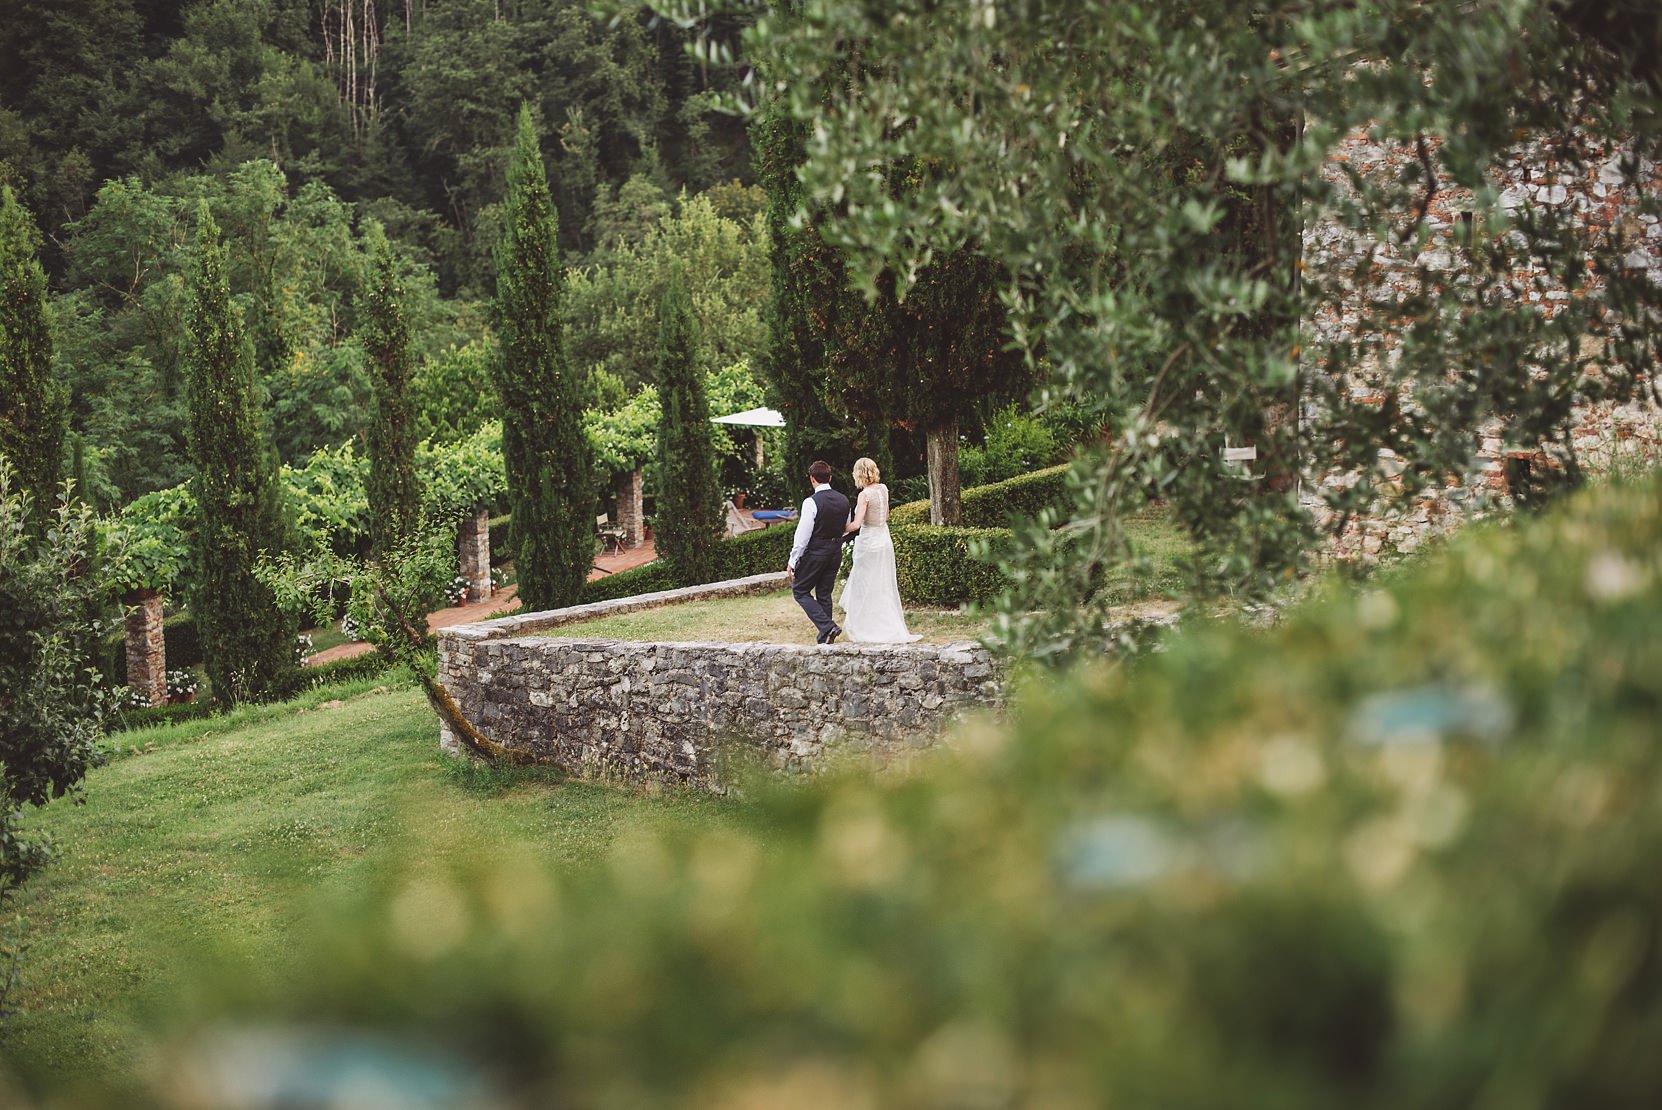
739	557
500	537
935	566
145	716
301	679
993	506
180	640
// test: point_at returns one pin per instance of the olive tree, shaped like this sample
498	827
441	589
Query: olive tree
1145	175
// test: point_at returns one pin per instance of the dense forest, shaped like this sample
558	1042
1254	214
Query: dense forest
305	123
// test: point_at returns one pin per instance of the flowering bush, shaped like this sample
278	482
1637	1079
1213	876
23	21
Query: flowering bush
498	579
349	628
456	591
302	647
181	685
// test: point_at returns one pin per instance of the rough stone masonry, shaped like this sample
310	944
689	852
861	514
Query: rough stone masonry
692	712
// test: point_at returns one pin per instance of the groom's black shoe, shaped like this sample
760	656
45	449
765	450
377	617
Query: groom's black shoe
831	636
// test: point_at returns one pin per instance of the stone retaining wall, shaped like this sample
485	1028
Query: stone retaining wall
681	711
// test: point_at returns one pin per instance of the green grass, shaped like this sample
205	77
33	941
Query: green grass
326	637
771	617
1158	543
217	840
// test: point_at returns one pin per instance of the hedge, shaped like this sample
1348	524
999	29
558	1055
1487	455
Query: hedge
147	715
500	537
1399	850
301	679
180	641
992	506
936	566
737	557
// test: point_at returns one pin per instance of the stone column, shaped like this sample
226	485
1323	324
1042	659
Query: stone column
630	514
146	651
473	544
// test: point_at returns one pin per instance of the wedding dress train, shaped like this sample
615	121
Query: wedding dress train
871	597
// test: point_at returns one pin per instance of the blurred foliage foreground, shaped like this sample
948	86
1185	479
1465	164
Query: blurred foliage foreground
1402	851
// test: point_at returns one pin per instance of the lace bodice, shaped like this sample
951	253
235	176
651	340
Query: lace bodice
877	506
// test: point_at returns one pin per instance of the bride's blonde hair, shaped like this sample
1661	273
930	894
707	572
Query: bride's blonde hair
865	473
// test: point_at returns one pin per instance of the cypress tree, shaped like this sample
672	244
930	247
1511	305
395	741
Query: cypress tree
247	641
847	372
547	457
394	504
34	411
810	312
687	533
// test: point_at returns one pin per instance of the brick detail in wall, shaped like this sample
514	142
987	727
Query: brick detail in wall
1598	195
473	545
684	711
631	516
146	649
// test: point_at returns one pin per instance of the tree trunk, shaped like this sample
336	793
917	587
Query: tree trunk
944	503
146	650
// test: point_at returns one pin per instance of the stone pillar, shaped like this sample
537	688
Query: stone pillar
146	651
473	545
630	514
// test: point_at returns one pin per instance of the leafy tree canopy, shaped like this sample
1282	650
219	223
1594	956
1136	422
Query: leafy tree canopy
1141	172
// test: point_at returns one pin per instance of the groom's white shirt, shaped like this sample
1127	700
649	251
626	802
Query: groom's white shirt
805	524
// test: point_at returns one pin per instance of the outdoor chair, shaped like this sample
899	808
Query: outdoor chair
611	536
737	523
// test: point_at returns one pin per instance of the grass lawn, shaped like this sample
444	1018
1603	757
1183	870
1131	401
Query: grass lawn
1157	542
326	637
218	840
772	617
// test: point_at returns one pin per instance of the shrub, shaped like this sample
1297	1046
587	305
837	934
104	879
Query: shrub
1017	443
501	538
1398	850
993	506
301	679
936	566
146	715
650	578
758	552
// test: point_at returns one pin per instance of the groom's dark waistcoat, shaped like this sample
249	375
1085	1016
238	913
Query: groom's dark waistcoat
830	514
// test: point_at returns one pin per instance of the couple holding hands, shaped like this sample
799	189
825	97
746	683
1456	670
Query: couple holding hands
871	597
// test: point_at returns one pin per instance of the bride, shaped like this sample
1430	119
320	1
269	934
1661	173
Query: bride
871	598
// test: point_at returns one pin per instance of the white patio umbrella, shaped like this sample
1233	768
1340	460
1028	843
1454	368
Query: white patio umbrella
753	418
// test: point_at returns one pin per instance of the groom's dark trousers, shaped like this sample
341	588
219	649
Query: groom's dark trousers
816	570
816	573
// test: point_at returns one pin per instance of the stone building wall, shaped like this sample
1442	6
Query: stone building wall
681	711
1596	194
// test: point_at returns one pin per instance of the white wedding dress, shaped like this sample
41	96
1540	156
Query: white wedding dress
871	596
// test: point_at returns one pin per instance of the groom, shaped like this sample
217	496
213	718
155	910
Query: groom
818	551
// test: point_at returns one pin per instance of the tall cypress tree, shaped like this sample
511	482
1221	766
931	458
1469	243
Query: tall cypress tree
34	411
846	371
550	469
394	503
686	533
247	641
